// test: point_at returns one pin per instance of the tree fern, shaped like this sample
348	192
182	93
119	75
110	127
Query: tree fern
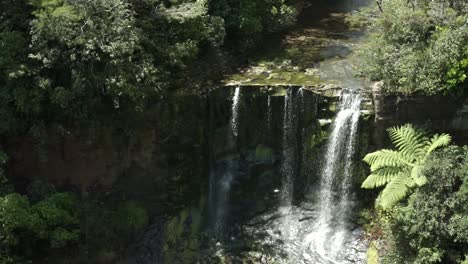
408	140
386	158
381	177
437	141
400	170
395	190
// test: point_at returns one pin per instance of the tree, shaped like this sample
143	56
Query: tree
400	170
433	226
52	223
416	46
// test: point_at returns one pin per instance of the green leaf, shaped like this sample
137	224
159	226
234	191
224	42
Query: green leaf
381	177
436	142
386	158
408	140
396	190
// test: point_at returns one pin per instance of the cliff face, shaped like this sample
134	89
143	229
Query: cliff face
170	161
171	147
185	135
436	113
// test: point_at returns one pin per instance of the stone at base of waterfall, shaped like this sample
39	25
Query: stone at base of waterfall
357	248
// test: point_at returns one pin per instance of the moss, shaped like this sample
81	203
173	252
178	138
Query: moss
263	153
276	77
372	254
182	235
131	217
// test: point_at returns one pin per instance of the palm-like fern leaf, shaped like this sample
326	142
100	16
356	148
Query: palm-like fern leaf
408	141
395	190
436	142
401	170
386	158
381	177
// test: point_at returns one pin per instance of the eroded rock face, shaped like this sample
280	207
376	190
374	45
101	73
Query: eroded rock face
183	131
436	113
168	163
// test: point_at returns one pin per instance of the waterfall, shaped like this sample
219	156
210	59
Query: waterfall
223	191
235	111
269	113
222	176
288	164
330	228
345	199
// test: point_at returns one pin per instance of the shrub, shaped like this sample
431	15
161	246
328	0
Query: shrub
25	227
417	46
433	227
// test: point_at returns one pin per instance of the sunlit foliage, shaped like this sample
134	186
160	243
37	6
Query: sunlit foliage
416	46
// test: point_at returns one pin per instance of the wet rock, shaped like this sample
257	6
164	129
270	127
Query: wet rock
311	71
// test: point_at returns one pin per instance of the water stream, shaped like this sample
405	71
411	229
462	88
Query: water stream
330	230
235	111
269	113
288	165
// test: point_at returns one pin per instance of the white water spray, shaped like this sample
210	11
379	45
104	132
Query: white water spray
287	167
269	113
330	230
235	111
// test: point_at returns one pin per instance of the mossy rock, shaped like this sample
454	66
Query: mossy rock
263	153
372	254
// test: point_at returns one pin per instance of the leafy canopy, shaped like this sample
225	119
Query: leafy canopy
79	62
416	46
400	170
433	226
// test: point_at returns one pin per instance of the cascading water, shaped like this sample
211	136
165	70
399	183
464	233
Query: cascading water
235	111
330	232
222	193
269	113
345	205
287	166
223	175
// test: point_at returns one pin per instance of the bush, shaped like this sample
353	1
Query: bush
47	224
417	46
433	227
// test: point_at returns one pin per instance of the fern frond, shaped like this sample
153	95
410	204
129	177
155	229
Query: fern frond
400	170
396	190
386	158
381	177
436	142
408	141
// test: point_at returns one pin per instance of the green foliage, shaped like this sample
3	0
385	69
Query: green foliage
119	224
400	170
433	227
249	17
81	63
182	236
88	49
416	46
52	223
131	217
457	74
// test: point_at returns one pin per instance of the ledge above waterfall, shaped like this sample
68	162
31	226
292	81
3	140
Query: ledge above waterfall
325	90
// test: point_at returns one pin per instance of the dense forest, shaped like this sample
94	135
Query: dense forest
86	67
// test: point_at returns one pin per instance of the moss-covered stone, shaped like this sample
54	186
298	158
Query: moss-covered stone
372	254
